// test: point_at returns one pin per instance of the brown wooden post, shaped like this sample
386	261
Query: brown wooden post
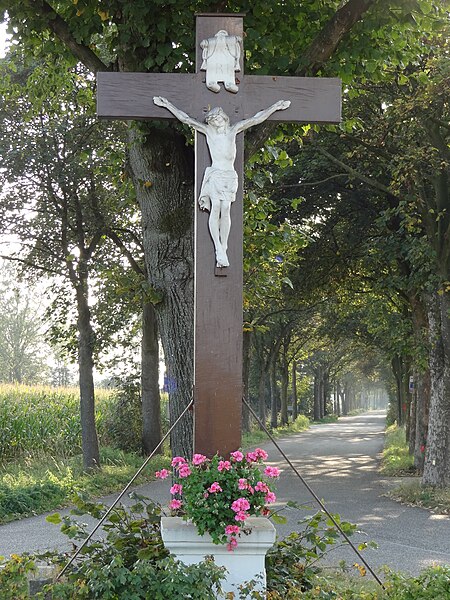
218	299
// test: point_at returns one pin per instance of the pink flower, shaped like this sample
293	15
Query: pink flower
242	485
198	459
214	487
176	489
256	455
184	471
272	472
261	487
205	495
177	461
175	504
232	529
251	457
270	498
237	456
240	505
163	474
241	516
250	489
261	454
224	465
232	544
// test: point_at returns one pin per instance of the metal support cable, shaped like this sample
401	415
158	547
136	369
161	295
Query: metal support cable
123	492
313	494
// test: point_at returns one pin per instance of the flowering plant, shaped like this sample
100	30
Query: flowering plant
219	495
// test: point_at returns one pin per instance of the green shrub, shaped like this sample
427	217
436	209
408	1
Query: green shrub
130	562
292	563
13	577
432	584
123	419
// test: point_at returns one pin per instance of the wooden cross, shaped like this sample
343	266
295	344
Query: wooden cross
218	299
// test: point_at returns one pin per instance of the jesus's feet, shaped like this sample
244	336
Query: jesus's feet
222	258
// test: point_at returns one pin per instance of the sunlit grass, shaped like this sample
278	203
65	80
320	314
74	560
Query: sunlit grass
396	459
35	486
257	436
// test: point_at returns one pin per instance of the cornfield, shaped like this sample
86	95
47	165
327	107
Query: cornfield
43	420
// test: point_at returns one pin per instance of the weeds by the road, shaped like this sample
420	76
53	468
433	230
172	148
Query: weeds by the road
414	493
397	462
39	485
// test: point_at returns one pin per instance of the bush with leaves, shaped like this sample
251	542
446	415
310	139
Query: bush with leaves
292	563
130	560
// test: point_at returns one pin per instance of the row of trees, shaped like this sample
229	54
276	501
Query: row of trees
346	231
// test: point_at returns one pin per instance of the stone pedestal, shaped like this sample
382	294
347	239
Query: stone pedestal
244	563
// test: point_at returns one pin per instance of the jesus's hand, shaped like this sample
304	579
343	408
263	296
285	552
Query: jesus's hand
160	101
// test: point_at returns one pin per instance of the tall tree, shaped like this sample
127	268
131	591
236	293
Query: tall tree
22	348
286	38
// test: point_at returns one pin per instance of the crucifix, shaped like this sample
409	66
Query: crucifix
219	103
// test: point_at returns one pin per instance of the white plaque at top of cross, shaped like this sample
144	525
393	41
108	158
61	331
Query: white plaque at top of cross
221	55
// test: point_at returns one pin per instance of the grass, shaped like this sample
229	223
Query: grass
415	494
256	436
396	461
42	484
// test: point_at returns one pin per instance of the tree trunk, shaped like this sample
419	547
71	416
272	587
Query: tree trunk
273	393
294	390
326	391
437	457
412	418
422	414
317	403
262	392
151	401
396	364
284	390
89	439
246	345
162	171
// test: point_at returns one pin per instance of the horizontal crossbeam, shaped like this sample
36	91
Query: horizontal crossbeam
130	96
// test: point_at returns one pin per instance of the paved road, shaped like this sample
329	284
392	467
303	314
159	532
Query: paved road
340	462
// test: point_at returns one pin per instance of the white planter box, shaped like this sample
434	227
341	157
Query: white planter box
244	563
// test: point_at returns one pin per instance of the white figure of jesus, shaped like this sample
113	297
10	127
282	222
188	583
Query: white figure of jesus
220	181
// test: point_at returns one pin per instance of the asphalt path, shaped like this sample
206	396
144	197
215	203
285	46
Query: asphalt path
340	462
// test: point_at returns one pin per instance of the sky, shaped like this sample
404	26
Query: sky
2	39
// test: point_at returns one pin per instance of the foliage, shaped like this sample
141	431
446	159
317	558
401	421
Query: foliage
123	421
40	419
130	561
396	459
293	562
22	350
431	584
218	495
414	493
13	577
37	485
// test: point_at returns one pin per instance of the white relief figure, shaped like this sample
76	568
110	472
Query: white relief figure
221	55
220	181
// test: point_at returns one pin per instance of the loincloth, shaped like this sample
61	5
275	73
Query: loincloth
218	184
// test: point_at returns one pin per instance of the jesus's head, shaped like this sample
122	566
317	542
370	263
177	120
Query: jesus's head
217	116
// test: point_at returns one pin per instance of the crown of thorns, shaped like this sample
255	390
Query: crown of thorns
217	112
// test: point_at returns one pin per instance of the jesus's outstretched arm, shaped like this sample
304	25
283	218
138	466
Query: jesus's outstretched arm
261	116
179	114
